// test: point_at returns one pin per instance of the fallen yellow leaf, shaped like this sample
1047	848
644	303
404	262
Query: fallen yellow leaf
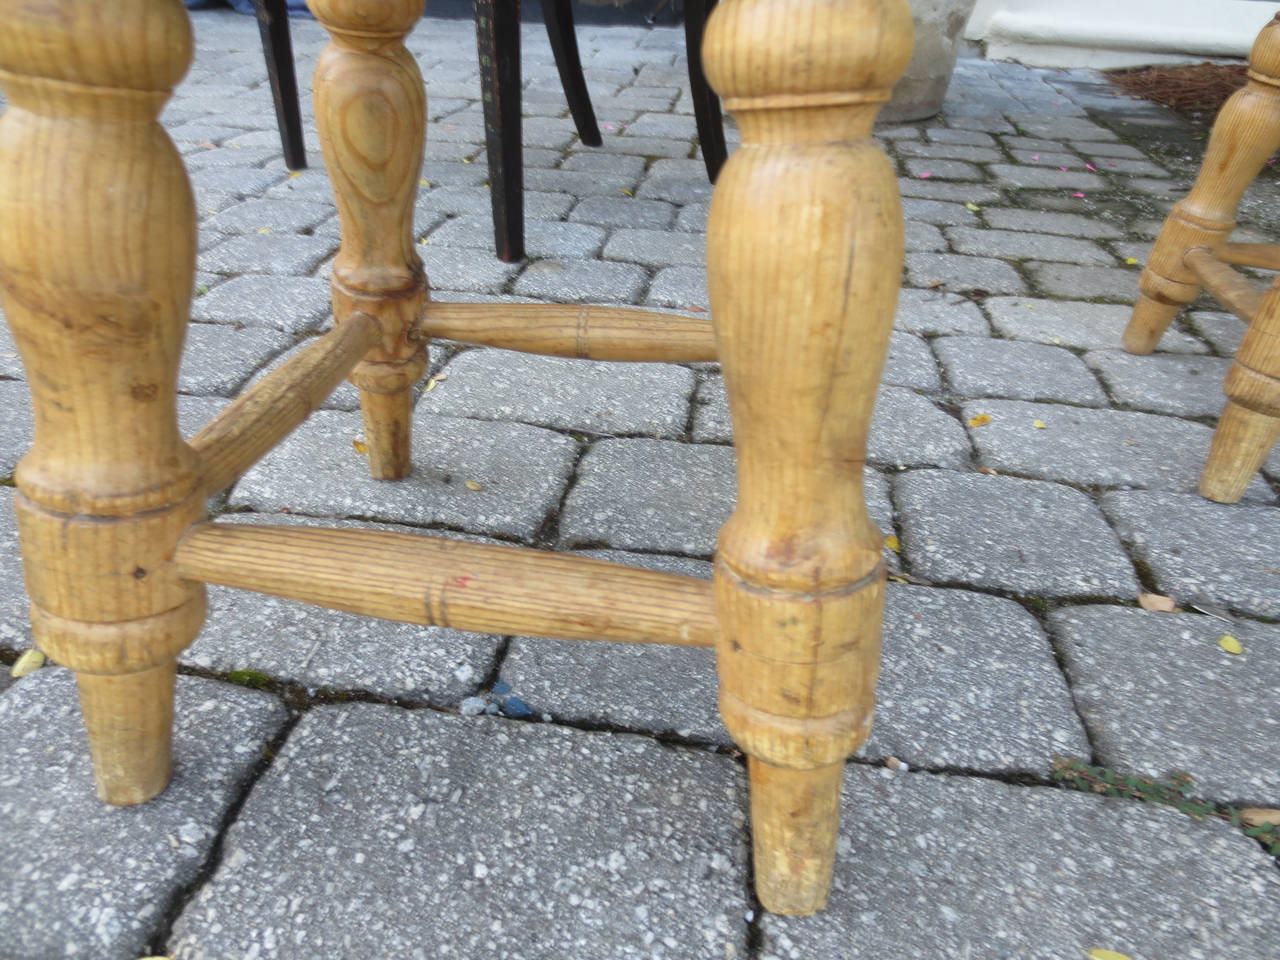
972	206
1039	424
981	420
1131	261
424	183
627	192
264	229
431	384
359	446
1156	603
892	543
1230	644
295	174
1099	954
30	661
474	485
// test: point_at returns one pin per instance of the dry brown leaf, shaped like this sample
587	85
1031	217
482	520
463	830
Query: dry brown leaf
359	447
1257	816
1156	603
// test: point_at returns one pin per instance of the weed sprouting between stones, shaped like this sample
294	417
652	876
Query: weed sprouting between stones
1174	791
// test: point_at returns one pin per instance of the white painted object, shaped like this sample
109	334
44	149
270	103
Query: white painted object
1106	34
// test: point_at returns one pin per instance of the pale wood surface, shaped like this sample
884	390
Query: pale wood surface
453	583
1263	255
804	253
1235	292
596	333
371	115
96	283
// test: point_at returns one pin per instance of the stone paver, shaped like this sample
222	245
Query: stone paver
500	838
1074	323
1005	266
982	367
1005	533
111	871
1106	448
1225	554
1143	383
1160	694
933	866
520	471
590	396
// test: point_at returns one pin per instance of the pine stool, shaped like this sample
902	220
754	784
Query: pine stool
1193	252
97	253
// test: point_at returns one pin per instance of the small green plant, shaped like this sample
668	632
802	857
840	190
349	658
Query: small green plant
250	678
1174	791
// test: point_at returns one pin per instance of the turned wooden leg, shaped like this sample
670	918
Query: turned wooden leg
1250	421
1245	134
371	115
97	254
804	254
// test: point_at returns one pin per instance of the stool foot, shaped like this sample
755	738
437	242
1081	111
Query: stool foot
1241	444
1148	323
128	718
795	815
387	432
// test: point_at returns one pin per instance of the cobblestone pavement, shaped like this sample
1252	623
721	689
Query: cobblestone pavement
407	792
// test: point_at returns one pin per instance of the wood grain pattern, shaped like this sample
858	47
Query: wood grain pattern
452	583
268	411
804	254
371	116
97	256
1235	292
597	333
1244	137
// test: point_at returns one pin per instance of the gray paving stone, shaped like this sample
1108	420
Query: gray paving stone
923	237
1046	158
936	211
1160	694
1122	150
1014	245
522	471
281	253
930	189
106	872
15	619
291	304
693	216
578	184
642	146
1070	280
910	364
929	167
624	212
1006	533
10	361
908	430
579	281
586	395
543	238
219	358
1048	221
235	181
16	429
271	215
1106	448
650	495
1042	177
930	866
925	312
962	273
483	836
1066	128
455	269
1091	326
947	135
981	367
656	248
684	288
1223	331
1179	385
951	151
1199	550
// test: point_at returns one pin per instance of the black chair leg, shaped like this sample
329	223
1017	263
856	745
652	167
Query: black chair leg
273	24
558	15
706	105
498	40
